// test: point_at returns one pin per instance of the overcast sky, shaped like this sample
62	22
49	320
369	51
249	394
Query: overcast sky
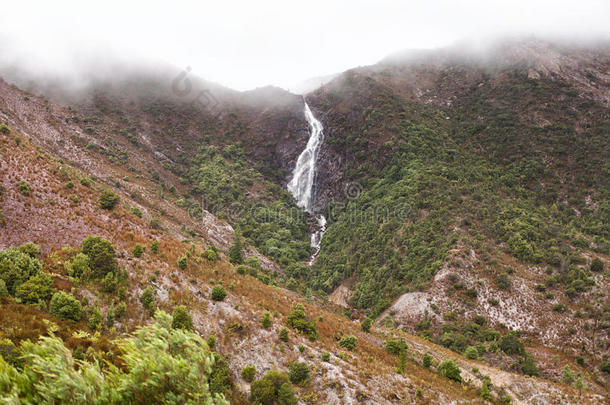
247	44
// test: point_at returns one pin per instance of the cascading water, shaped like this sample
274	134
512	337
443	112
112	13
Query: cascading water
303	177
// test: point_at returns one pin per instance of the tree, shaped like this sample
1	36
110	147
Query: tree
267	390
181	318
16	268
102	257
248	373
39	288
147	298
348	342
567	376
138	250
471	352
218	293
298	372
266	321
79	267
427	360
366	324
235	252
450	370
65	306
108	199
597	264
283	334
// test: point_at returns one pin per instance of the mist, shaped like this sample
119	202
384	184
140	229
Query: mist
244	45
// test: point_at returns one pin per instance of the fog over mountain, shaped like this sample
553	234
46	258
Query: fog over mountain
245	45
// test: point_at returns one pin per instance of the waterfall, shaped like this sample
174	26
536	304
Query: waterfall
301	186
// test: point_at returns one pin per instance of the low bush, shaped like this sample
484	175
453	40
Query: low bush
218	293
298	372
348	342
138	250
108	199
181	318
248	373
65	306
266	321
450	370
300	322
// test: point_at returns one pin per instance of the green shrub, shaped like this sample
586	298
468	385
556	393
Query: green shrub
511	344
326	357
366	324
605	367
298	372
39	288
4	129
138	250
30	249
3	289
395	346
450	370
154	246
528	365
503	281
427	360
182	262
300	322
24	187
220	377
110	283
218	293
235	252
102	257
266	321
597	264
95	319
274	386
65	306
79	267
108	199
471	353
283	334
16	268
181	318
147	298
136	211
348	342
567	376
210	255
248	373
70	185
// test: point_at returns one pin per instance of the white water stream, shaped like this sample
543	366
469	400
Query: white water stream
303	177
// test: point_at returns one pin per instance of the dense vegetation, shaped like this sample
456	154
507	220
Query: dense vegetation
158	364
486	173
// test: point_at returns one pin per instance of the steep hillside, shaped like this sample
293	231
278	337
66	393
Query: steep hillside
467	200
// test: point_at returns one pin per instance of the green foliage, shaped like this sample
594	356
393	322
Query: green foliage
326	357
597	264
300	322
511	344
38	288
65	306
4	129
154	246
267	390
147	298
95	318
366	324
181	318
110	283
568	376
283	334
471	352
298	372
528	365
136	211
3	289
605	367
16	268
348	342
108	199
182	262
395	346
450	370
427	360
210	255
270	220
102	257
220	377
79	267
30	249
24	187
248	373
266	320
218	293
138	250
